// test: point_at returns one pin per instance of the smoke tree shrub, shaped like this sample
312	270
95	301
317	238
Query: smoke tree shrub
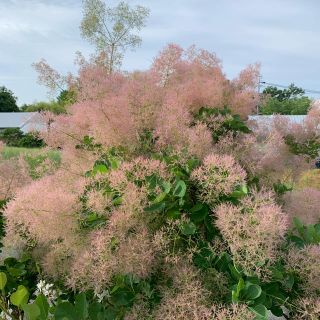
162	206
303	204
254	230
218	176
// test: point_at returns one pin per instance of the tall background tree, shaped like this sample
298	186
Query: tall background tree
112	29
8	102
290	101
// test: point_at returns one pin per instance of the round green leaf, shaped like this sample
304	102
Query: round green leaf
253	292
81	305
188	228
31	311
20	297
42	303
65	311
260	310
180	189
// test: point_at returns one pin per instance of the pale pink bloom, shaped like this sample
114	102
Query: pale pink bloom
305	263
253	230
49	217
187	299
303	204
109	254
14	174
218	176
232	312
309	309
98	202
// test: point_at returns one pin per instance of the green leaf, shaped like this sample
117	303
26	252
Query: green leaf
81	306
42	303
100	168
122	298
173	213
289	281
65	311
188	228
3	280
236	292
166	186
260	310
114	163
240	191
253	291
31	311
297	223
160	197
277	311
156	207
180	189
310	233
96	311
20	297
234	272
199	212
117	201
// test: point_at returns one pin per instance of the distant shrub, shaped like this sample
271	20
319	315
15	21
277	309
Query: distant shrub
14	137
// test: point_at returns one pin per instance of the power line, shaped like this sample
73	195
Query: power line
264	83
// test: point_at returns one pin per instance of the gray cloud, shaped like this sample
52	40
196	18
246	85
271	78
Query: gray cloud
281	34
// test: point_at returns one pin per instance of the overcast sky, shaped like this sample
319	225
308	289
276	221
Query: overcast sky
283	35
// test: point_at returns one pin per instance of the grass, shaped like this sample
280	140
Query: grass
14	152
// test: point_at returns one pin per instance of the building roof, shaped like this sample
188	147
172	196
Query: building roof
298	119
22	120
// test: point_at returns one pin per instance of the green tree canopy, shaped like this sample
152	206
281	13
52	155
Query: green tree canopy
52	106
290	101
8	102
66	97
284	94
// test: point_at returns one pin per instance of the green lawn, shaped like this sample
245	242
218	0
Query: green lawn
13	152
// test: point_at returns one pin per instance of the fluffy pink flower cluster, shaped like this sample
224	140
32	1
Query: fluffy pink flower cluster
14	174
116	109
305	263
218	176
253	230
44	214
303	204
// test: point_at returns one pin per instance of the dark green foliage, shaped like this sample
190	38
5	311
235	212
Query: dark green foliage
8	102
281	188
11	136
285	101
22	271
284	94
14	137
302	235
53	106
66	98
310	147
2	223
296	106
232	123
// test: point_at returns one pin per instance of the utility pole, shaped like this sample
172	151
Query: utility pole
259	87
259	82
